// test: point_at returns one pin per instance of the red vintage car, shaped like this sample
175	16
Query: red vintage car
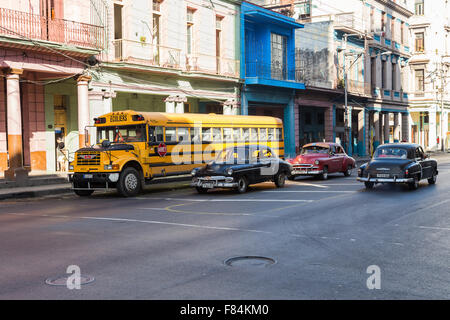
321	159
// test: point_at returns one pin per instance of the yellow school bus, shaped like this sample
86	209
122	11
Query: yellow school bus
134	147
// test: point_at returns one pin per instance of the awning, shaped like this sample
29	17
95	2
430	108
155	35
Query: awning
264	17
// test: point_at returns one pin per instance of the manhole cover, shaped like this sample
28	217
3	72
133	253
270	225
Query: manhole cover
249	261
62	281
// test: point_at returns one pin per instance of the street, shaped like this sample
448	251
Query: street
321	236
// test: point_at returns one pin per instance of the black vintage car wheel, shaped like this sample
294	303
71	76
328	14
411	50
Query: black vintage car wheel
201	190
242	185
280	180
414	185
348	172
369	185
83	193
433	178
129	184
324	175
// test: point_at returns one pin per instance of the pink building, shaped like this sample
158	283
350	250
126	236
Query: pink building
42	44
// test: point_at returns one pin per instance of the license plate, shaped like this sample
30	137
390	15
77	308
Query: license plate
208	185
299	171
88	176
383	175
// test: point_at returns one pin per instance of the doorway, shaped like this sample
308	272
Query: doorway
60	127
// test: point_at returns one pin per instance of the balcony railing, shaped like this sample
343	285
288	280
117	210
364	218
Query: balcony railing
272	71
355	87
212	65
349	20
36	27
146	54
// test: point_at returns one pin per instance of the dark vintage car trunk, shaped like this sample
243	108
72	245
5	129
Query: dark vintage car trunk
393	167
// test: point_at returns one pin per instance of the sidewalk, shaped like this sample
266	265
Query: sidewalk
42	186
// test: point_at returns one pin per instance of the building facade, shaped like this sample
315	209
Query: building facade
45	47
362	48
269	67
430	100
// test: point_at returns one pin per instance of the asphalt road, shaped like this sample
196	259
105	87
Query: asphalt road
322	235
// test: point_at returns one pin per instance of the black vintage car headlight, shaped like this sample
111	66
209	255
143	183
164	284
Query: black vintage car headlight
230	171
193	172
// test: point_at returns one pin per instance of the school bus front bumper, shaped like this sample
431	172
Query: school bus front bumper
93	180
210	182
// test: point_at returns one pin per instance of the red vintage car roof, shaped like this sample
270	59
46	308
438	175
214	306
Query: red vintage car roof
320	144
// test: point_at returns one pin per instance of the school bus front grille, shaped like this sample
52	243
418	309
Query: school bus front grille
88	158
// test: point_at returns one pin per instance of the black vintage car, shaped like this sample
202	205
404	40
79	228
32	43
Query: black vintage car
398	163
238	167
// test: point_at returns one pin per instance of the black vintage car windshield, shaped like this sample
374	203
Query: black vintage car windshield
121	134
315	149
391	153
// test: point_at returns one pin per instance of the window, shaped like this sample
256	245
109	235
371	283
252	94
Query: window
278	56
278	135
155	134
122	134
157	5
321	118
263	134
307	117
195	135
189	30
402	32
246	134
253	134
171	134
271	134
206	134
419	79
183	134
420	43
217	134
383	21
393	28
419	8
187	107
227	134
236	134
372	19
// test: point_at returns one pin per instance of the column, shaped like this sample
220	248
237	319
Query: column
16	170
348	131
329	124
289	129
432	142
386	127
244	103
444	129
376	131
406	128
170	104
361	133
396	127
179	104
83	109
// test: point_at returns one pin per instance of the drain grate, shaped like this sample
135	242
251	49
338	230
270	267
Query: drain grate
62	281
249	261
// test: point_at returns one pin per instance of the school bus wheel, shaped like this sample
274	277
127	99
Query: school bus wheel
129	183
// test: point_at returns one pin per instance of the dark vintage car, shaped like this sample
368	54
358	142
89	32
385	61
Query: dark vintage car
320	159
398	163
238	167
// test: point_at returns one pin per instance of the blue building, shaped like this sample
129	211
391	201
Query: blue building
269	67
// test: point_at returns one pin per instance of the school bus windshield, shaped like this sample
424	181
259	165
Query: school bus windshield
121	134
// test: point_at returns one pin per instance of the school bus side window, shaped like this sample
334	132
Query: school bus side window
217	134
196	135
206	134
171	134
183	134
246	134
253	134
155	134
262	134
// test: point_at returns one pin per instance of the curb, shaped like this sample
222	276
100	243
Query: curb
34	194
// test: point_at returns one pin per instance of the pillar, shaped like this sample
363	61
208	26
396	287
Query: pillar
244	103
15	169
386	127
396	127
289	129
348	131
376	131
83	108
432	142
406	128
361	133
329	124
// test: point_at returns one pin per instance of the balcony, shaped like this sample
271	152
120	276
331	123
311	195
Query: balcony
144	53
358	87
348	22
210	64
18	24
273	74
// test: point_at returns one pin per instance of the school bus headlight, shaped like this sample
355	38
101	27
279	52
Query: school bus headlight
70	167
113	177
111	167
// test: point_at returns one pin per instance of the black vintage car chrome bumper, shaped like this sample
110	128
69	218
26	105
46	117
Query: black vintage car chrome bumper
210	182
385	180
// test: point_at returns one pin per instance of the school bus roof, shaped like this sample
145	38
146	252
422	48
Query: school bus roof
191	118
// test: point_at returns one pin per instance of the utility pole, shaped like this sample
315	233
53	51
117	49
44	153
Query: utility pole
443	133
